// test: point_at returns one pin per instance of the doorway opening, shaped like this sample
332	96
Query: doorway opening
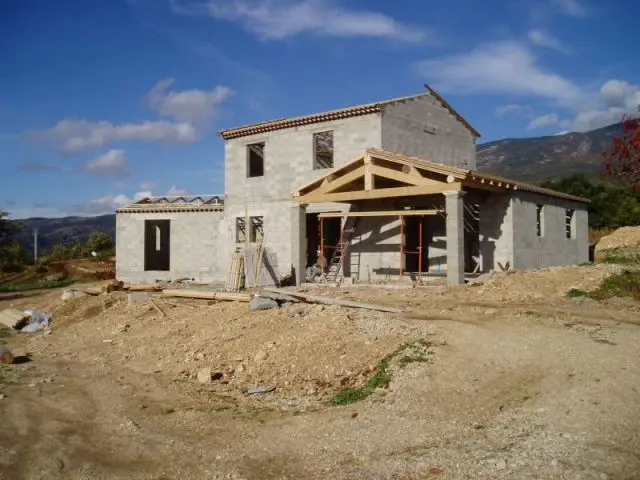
331	234
415	234
157	247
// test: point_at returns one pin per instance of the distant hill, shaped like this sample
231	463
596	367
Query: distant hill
66	230
546	158
528	159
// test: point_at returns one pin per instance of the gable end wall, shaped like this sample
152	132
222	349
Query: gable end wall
403	131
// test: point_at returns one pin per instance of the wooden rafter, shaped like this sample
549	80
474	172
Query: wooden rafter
379	193
416	176
380	213
338	182
410	178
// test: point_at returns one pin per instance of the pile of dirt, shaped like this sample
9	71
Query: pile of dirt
242	348
620	238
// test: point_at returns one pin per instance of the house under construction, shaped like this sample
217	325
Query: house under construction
380	191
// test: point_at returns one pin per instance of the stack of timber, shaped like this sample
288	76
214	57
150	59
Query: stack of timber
236	273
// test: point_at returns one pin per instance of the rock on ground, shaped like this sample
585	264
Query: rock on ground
204	375
5	355
261	303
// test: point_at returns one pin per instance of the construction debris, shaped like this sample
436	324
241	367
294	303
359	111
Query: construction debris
37	321
281	297
260	389
157	308
13	318
344	303
152	287
70	294
208	295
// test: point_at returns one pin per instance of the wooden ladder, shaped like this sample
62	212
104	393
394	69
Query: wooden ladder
337	260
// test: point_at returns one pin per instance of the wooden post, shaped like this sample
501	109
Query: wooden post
401	245
343	222
421	219
322	245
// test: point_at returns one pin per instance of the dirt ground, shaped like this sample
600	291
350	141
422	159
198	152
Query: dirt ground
513	380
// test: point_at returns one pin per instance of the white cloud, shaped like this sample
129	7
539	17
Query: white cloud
73	136
543	39
614	99
571	7
512	109
511	68
111	163
280	19
106	204
504	67
544	121
147	185
175	191
189	106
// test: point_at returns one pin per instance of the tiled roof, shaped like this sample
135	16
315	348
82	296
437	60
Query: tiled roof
181	203
348	112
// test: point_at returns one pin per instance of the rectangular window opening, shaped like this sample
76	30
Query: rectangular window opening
255	160
240	230
257	231
540	220
569	223
323	150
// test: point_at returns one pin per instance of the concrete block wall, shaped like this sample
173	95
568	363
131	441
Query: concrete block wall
288	164
496	231
375	249
553	247
194	246
406	126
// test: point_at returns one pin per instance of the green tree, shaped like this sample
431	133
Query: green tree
7	227
611	206
59	252
100	242
12	256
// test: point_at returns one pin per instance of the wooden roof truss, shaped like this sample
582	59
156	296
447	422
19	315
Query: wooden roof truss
380	174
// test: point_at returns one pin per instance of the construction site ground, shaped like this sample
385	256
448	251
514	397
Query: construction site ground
507	379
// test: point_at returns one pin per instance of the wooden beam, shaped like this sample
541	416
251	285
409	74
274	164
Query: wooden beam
380	213
338	182
379	193
415	180
369	181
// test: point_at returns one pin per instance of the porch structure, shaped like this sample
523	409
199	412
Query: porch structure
385	185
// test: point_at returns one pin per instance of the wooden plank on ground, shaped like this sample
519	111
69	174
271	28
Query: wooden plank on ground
208	295
337	301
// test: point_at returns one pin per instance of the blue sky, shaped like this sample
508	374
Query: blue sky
102	102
